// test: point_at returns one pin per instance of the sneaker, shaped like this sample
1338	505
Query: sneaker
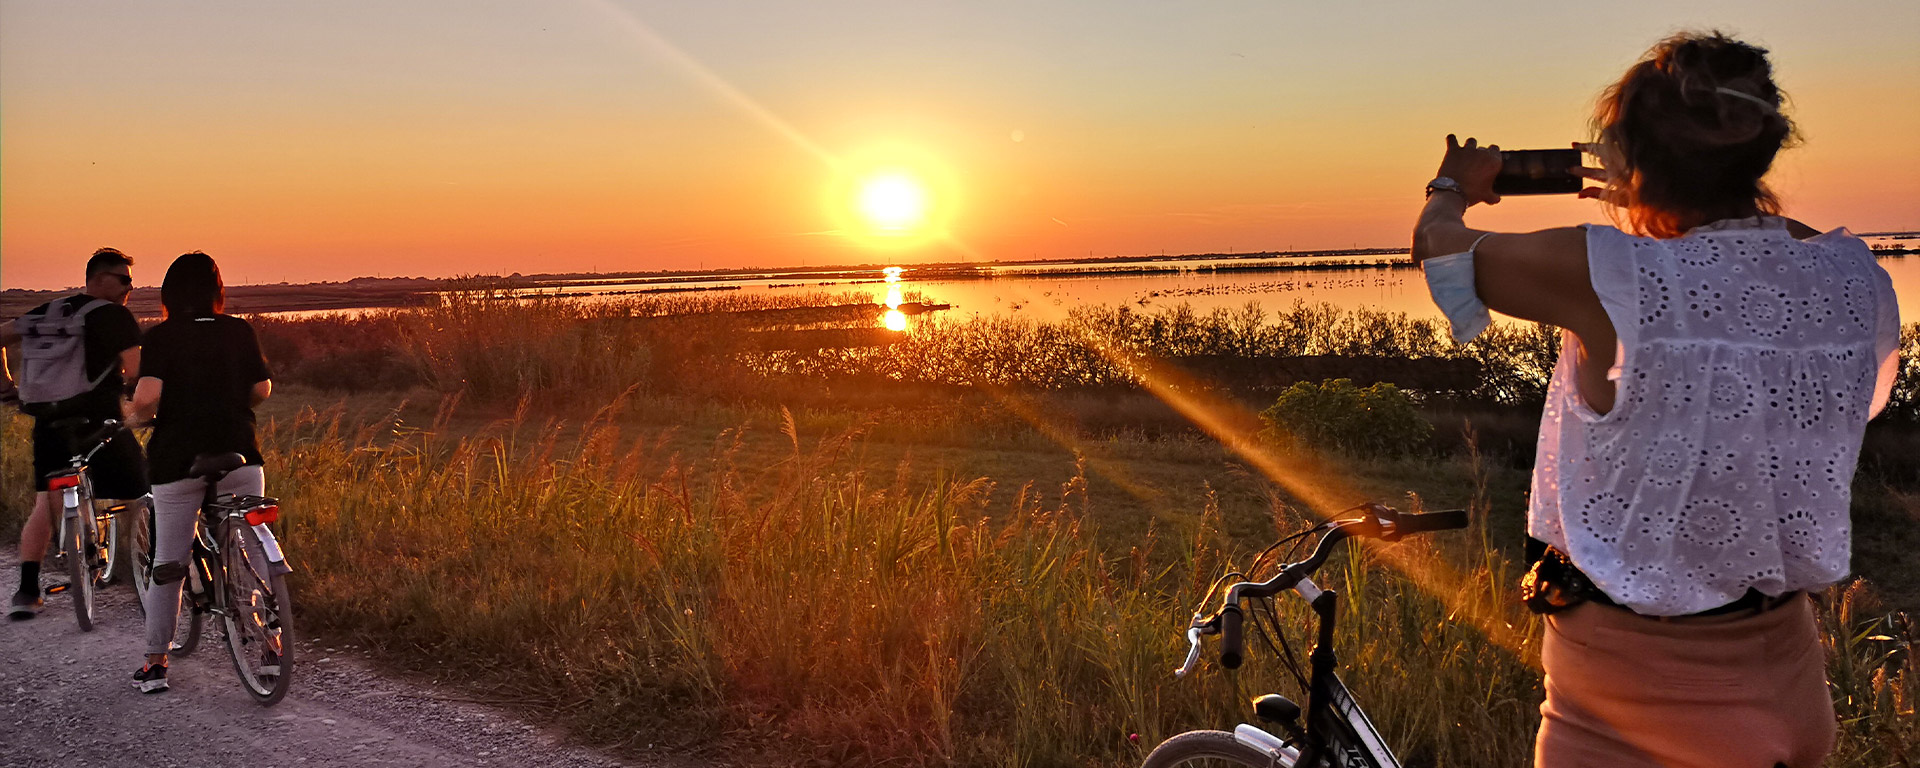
151	678
25	605
269	664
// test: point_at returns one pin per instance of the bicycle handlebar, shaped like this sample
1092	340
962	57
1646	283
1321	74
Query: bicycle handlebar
1375	521
1433	521
101	436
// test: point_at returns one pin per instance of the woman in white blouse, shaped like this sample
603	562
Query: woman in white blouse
1718	368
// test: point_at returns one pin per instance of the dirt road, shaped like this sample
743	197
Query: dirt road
70	702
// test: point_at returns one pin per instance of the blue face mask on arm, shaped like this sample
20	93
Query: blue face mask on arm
1450	281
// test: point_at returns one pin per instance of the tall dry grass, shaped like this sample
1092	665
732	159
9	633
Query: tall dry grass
485	342
16	470
815	609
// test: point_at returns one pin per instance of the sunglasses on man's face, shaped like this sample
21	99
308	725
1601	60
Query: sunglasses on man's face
125	279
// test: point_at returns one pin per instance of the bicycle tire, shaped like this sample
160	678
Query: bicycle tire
196	607
139	553
186	646
73	541
1209	748
258	618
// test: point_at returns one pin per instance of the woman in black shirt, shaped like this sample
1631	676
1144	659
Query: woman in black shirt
201	374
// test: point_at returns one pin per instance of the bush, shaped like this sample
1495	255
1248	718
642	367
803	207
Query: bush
1379	420
1904	403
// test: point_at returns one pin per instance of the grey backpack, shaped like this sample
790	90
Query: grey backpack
53	356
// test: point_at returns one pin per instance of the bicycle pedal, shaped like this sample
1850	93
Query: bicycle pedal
57	589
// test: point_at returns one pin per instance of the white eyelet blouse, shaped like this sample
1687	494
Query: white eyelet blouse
1749	364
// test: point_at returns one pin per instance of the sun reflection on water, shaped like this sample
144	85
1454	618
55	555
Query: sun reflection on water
895	320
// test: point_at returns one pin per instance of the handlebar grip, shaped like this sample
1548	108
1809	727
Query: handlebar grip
1432	521
1230	651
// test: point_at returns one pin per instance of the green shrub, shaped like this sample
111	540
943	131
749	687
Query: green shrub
1379	420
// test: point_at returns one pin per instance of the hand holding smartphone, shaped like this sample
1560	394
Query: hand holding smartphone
1538	172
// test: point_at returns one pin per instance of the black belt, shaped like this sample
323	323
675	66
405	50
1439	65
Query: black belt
1754	600
1553	584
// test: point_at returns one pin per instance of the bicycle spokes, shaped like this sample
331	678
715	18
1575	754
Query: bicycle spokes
260	620
256	618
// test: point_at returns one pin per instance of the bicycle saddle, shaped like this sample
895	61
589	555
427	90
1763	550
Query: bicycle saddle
213	466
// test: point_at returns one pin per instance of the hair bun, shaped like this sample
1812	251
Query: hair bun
1726	86
1698	123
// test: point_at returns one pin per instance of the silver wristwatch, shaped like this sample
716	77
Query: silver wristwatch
1444	184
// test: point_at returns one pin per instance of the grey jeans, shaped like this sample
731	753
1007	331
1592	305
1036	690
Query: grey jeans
176	511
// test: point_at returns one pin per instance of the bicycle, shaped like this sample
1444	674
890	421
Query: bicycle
89	544
236	571
1336	733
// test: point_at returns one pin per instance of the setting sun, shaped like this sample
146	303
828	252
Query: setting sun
893	202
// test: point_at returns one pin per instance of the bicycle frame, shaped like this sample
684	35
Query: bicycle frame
218	512
75	485
1337	731
1331	708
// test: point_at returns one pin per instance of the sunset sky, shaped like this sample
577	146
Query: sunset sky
324	141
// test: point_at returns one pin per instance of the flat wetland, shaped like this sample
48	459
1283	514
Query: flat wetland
760	527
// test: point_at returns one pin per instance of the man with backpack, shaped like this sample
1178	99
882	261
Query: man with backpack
77	355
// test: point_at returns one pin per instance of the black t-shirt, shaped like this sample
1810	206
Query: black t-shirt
108	331
207	367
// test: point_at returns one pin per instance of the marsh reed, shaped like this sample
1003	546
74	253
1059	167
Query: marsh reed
822	610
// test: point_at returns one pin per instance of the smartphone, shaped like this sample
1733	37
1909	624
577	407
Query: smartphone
1538	172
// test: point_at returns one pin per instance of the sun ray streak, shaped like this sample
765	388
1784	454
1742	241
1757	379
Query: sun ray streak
1106	469
1319	489
711	80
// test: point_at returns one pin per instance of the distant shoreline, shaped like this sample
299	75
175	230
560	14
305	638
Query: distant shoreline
392	292
397	292
359	293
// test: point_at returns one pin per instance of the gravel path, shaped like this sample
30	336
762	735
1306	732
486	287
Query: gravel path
70	702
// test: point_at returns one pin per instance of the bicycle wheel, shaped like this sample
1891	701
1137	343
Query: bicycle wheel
259	617
195	606
1209	749
139	552
74	543
187	645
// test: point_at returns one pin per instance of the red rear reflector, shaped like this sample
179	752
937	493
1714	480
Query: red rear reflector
63	481
266	514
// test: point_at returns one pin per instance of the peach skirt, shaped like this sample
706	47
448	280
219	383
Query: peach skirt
1738	691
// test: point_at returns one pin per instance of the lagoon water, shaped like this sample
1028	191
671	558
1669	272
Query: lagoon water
1050	292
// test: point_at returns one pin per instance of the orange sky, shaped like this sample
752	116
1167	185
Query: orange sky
327	141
